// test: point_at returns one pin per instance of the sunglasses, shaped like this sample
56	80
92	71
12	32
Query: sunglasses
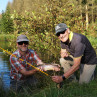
25	42
58	34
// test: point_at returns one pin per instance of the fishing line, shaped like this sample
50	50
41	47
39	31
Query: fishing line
26	62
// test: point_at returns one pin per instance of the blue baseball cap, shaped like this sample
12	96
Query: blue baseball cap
22	38
60	28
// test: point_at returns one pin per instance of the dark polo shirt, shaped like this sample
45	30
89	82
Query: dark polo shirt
80	46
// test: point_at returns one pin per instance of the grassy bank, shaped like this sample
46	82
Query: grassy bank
68	90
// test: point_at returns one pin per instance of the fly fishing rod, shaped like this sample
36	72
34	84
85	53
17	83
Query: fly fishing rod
26	62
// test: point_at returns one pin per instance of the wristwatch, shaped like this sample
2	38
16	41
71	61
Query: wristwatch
63	77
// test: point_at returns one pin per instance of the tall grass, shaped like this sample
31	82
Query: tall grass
68	90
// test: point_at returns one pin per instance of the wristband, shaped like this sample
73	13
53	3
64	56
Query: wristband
63	77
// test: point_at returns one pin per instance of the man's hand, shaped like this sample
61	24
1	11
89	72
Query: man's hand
64	53
27	73
40	68
40	63
57	79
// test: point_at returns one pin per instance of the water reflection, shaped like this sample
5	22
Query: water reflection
4	66
4	70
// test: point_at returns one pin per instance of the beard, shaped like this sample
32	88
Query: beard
23	49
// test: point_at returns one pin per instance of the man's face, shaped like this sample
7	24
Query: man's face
64	36
23	46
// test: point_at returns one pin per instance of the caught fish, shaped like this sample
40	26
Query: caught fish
54	67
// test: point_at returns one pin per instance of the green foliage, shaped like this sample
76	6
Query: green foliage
0	26
93	41
37	16
39	23
96	1
6	37
84	1
37	19
6	22
46	45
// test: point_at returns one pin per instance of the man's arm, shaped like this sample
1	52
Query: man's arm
64	53
28	73
19	67
40	63
75	67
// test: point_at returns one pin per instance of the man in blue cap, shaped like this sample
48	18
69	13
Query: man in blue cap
21	72
76	53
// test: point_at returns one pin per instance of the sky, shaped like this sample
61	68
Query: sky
3	4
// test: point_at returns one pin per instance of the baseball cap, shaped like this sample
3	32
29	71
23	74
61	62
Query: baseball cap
22	38
60	28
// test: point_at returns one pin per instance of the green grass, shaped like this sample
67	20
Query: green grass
71	90
68	90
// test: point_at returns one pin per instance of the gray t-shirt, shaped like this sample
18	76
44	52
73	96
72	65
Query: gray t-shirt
80	46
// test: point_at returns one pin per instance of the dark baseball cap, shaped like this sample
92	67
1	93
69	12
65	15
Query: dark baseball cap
22	38
60	28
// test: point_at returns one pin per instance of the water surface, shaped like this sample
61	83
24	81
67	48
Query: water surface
4	66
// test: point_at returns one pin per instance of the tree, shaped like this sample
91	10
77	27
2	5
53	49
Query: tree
7	22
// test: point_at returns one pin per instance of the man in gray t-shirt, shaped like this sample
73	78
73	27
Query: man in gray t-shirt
79	48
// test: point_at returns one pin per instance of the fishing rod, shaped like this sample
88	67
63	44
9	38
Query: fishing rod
26	62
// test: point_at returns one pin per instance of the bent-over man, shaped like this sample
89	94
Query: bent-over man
76	53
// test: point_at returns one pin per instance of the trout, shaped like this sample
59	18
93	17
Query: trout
46	67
